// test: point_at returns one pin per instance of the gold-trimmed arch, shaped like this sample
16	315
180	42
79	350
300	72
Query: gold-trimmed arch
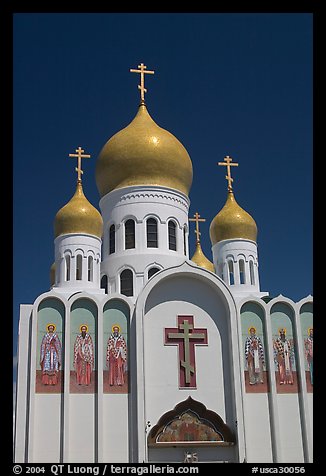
190	423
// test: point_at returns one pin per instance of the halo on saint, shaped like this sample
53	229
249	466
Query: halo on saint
251	327
51	324
83	325
282	329
310	329
114	326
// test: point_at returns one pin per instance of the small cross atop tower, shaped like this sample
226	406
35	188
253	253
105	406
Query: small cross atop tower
197	219
80	155
228	165
141	86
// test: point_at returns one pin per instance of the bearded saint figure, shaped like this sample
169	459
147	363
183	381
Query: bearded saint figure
83	356
254	353
116	357
50	356
284	352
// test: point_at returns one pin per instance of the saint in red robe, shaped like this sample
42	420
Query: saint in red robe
83	358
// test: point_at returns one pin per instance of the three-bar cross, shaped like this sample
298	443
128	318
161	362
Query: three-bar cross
227	163
80	155
141	86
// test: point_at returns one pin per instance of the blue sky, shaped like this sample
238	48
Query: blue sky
237	84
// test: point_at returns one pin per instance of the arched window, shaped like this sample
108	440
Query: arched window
112	239
90	268
67	261
151	231
104	283
185	241
129	234
172	235
79	264
126	282
152	271
231	273
252	273
242	271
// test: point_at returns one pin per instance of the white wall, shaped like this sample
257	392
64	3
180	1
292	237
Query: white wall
115	428
257	428
48	424
82	428
22	389
188	295
290	428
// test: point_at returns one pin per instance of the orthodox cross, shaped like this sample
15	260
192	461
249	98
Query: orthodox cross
197	219
141	86
228	166
80	155
185	336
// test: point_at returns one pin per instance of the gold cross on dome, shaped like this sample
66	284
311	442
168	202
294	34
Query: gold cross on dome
141	86
80	155
227	163
197	219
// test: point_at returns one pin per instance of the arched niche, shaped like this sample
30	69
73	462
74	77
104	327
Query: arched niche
83	345
306	320
254	347
284	347
50	346
116	318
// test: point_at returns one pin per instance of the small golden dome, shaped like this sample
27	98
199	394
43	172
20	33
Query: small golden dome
52	274
232	222
143	154
78	216
200	259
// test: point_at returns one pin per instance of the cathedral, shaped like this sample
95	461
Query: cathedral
141	353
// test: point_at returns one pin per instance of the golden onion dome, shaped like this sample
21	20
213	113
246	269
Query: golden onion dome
78	216
143	154
232	222
200	259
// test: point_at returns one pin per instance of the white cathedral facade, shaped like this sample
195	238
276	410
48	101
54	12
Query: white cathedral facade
139	353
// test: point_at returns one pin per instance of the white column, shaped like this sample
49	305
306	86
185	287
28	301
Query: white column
246	272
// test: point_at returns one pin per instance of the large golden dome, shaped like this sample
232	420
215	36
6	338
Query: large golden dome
232	222
143	154
78	216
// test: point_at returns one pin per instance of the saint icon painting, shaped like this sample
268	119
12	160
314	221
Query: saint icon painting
50	356
254	348
116	357
284	357
254	354
83	356
115	347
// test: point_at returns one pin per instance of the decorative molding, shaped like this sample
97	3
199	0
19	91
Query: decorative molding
159	196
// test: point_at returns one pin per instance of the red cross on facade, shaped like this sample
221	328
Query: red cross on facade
185	336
